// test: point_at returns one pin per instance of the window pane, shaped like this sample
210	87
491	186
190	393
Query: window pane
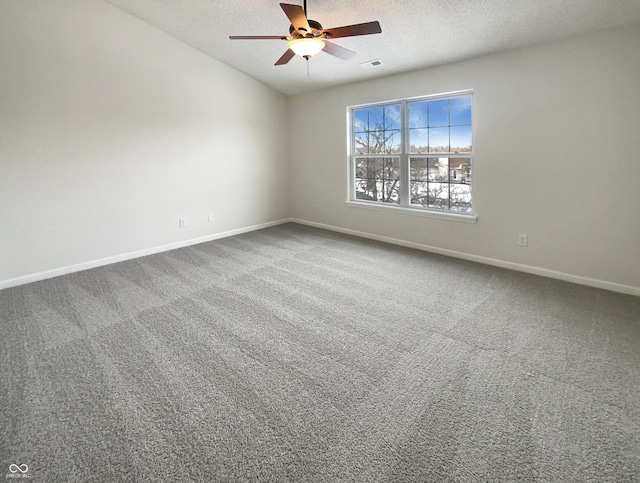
439	140
392	117
438	196
419	140
362	143
392	192
418	114
376	119
378	142
374	167
390	178
361	168
419	193
369	119
438	169
368	167
460	170
361	191
419	169
361	120
439	113
375	142
460	197
367	172
392	142
460	139
391	168
460	110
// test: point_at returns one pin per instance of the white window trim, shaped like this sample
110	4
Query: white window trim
389	208
405	208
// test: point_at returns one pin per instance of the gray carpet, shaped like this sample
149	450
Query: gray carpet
296	354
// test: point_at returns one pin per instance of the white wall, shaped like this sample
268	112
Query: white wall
557	157
111	130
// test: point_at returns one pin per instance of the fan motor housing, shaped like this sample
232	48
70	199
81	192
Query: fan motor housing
316	30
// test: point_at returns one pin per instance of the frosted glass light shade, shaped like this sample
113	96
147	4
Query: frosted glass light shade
306	47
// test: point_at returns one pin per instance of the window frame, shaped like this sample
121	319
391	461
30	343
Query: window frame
405	156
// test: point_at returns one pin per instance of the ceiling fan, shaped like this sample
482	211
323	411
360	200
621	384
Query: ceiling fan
307	37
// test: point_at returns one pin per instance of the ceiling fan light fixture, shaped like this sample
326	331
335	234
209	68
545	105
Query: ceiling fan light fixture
306	47
307	37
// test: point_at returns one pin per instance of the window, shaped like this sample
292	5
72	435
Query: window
414	153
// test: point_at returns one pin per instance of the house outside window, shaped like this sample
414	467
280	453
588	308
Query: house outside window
413	153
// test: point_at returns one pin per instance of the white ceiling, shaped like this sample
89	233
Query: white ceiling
415	33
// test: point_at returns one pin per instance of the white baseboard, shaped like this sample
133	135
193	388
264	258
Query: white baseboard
35	277
591	282
544	272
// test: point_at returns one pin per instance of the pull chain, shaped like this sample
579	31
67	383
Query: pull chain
306	56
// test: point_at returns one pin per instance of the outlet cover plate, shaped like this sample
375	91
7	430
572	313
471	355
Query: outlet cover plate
523	240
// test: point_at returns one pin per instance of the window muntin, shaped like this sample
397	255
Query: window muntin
427	153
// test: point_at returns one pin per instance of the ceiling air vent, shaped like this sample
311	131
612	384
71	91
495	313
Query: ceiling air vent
371	64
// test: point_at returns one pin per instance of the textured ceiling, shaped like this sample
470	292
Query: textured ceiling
415	33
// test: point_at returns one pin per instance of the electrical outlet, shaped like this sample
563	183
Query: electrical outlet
182	222
523	240
210	217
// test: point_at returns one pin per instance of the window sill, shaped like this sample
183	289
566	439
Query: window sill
448	216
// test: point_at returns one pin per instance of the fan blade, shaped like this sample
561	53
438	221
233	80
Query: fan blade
296	16
336	50
254	37
353	30
286	57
